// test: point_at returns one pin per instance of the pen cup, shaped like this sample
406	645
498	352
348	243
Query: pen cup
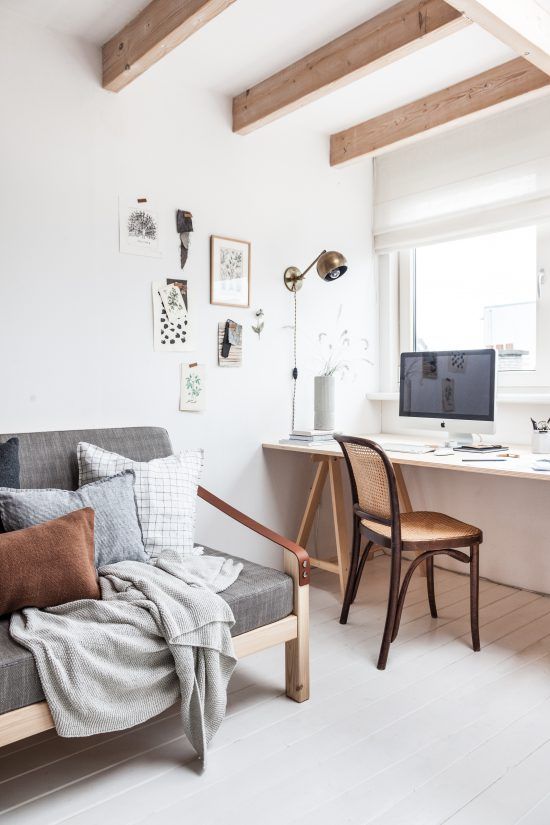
540	442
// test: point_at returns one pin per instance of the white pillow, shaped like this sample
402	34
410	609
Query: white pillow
166	494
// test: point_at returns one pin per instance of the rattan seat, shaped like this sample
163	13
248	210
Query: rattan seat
426	528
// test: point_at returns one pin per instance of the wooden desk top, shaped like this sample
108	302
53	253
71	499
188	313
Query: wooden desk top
512	467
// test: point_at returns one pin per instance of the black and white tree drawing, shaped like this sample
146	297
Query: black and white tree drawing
142	224
140	230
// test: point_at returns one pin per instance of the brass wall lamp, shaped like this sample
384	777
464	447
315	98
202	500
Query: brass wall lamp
330	266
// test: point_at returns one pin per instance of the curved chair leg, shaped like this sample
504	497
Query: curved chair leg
474	595
402	595
395	578
364	557
427	557
430	583
355	570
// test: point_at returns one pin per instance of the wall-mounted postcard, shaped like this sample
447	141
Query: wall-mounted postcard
192	397
229	272
173	302
139	229
171	332
230	344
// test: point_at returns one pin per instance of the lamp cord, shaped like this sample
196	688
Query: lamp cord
295	370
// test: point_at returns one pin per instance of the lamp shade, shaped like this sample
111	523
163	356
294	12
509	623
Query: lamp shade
331	265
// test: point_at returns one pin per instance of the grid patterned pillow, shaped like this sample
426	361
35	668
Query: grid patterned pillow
166	493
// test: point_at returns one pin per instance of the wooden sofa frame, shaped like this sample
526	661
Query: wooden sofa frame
292	630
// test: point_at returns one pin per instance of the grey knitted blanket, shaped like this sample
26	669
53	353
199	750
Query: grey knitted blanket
160	634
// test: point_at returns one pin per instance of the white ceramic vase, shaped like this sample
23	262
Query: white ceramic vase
325	402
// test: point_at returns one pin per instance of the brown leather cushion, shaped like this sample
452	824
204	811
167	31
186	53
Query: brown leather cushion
49	564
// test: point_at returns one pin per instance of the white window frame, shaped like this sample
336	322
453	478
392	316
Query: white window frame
396	280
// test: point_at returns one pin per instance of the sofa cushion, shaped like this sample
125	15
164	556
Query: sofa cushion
49	564
19	682
117	530
260	596
9	463
166	493
48	459
9	466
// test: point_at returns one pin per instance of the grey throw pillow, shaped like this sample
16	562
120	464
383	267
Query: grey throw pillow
117	529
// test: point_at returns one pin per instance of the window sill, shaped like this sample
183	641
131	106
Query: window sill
502	398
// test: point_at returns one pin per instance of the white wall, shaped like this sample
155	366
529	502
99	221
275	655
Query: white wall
75	314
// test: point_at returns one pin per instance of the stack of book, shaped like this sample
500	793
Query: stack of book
309	438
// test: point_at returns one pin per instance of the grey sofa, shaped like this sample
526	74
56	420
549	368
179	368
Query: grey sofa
270	607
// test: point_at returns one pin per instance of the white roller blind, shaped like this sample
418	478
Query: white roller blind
481	177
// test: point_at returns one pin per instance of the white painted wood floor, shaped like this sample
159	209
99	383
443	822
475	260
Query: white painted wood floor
442	736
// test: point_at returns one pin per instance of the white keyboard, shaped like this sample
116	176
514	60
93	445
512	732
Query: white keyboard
416	449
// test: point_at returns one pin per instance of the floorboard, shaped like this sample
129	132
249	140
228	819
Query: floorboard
442	736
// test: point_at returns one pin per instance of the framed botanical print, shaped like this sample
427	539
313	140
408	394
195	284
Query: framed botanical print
229	272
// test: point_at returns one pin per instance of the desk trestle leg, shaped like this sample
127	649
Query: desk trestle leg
328	467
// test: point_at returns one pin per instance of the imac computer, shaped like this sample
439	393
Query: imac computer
451	391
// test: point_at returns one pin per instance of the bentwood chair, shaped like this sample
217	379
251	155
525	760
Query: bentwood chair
376	515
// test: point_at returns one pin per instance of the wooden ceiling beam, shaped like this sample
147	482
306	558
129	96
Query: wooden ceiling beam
391	35
496	87
522	24
159	28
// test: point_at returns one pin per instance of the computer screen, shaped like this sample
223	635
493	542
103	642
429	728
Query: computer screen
448	385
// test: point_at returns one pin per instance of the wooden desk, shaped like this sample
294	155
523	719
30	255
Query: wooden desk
326	458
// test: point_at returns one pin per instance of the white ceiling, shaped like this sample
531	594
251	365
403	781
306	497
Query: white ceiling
93	20
254	38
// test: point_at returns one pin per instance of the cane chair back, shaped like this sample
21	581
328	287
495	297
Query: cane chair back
373	484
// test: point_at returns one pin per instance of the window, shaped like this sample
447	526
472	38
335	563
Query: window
479	292
484	290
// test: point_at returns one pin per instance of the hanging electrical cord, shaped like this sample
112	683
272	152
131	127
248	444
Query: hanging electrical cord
295	370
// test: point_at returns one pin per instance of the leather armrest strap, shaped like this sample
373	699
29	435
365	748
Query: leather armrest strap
299	552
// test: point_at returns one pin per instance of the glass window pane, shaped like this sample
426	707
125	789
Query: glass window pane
479	292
